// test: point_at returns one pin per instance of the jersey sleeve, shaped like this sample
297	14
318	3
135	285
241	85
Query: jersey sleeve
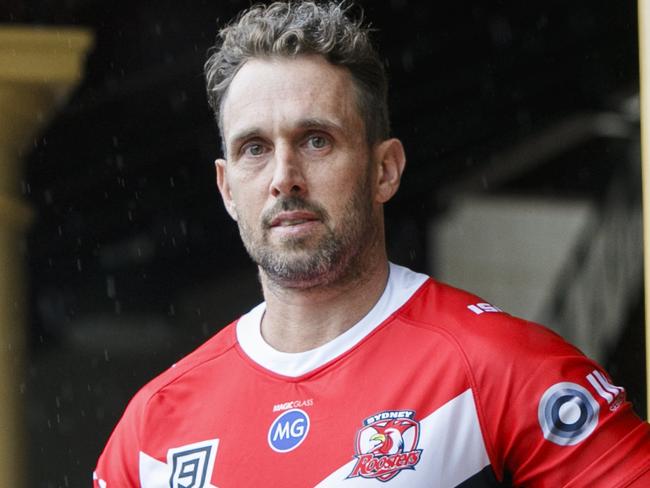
118	464
551	416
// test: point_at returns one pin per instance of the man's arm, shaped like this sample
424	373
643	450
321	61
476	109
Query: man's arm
551	416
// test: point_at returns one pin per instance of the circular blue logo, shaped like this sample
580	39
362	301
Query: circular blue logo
288	430
567	413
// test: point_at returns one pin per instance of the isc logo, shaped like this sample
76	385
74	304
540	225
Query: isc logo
480	308
289	430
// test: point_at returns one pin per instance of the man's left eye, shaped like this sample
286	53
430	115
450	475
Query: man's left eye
318	142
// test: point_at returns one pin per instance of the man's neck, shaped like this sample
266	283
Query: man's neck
298	320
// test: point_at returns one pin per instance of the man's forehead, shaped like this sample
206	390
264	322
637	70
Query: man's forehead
299	91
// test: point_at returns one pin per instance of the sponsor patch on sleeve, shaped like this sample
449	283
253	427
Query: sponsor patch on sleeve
567	413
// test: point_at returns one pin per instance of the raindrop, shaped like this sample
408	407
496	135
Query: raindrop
172	183
110	286
172	309
79	265
183	227
106	355
47	194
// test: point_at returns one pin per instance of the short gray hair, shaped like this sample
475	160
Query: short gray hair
289	29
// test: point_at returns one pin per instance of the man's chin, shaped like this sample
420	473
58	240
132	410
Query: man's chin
297	269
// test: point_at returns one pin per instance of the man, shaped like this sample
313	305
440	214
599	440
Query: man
354	371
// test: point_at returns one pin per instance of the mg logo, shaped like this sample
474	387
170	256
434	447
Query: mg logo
288	430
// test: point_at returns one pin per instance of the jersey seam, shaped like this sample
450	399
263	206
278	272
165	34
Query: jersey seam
473	385
636	476
181	375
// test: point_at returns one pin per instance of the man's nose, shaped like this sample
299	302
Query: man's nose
288	177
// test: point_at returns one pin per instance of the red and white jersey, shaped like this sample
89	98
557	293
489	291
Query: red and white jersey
432	388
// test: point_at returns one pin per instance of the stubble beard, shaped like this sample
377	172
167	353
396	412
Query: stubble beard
335	258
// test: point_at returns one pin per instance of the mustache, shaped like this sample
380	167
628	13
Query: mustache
293	203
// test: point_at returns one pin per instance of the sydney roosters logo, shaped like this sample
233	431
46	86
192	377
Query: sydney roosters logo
387	444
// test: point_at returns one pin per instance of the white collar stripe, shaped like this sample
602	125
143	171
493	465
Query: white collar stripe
402	284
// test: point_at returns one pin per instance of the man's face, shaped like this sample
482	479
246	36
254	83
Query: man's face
298	177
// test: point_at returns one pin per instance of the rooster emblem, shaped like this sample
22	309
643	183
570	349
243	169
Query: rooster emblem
386	445
389	438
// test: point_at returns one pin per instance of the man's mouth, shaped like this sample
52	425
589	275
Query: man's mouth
293	218
288	223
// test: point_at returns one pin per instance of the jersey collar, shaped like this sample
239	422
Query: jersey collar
402	284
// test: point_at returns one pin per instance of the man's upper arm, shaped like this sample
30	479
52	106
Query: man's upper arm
552	417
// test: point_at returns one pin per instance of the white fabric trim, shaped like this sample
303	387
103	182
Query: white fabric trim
452	446
402	284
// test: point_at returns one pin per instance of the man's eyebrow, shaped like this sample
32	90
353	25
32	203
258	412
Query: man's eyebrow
317	123
245	134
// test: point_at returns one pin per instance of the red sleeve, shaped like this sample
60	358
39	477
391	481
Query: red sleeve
552	417
117	466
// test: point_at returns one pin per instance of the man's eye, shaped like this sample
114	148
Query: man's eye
318	142
253	149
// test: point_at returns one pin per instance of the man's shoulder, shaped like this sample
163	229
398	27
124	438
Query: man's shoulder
217	345
477	326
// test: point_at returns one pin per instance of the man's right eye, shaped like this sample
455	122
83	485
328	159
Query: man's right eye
253	149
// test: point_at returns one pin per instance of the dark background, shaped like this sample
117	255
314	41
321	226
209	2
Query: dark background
132	259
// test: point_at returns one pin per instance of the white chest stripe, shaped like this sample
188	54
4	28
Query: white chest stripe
451	440
453	451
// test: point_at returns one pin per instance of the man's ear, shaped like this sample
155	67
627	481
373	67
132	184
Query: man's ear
224	188
390	161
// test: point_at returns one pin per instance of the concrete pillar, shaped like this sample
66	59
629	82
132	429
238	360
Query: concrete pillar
38	68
